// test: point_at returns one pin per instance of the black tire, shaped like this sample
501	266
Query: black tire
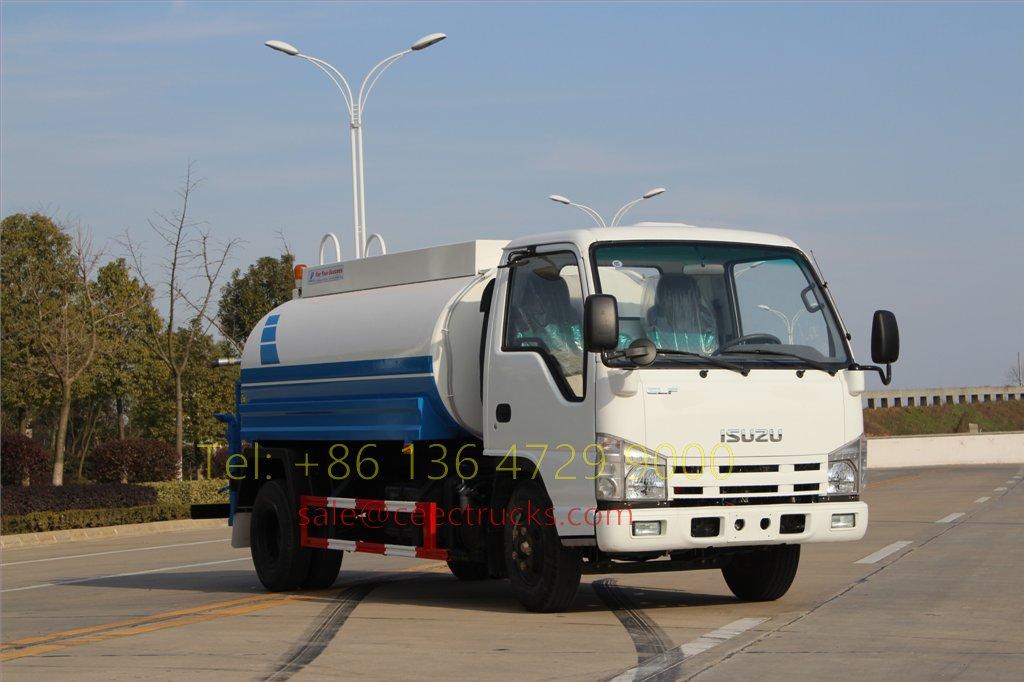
281	563
544	574
324	565
763	575
469	570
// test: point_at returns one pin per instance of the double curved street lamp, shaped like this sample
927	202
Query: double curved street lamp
355	106
597	218
789	322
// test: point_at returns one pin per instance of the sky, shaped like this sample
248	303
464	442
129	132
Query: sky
886	138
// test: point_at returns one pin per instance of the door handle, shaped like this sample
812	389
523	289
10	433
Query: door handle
503	413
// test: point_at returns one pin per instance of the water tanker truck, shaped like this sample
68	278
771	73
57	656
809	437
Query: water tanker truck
658	397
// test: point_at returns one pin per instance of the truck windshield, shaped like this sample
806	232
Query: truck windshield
751	304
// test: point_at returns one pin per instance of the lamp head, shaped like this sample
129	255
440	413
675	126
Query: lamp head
427	41
282	46
653	192
558	198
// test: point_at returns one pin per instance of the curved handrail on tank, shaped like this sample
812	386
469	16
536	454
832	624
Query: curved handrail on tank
337	247
380	240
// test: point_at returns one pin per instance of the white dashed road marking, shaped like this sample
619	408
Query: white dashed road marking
951	518
114	551
675	657
1000	490
884	552
982	500
122	575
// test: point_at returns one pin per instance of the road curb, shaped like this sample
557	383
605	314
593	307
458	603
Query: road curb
76	534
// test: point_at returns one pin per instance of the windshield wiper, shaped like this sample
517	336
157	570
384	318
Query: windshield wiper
788	354
706	358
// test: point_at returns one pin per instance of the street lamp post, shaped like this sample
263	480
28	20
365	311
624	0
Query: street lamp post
790	322
597	217
646	195
559	199
356	106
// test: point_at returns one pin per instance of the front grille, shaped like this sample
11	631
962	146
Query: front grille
748	480
748	489
742	501
748	469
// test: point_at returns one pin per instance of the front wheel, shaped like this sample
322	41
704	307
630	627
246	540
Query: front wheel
544	574
764	574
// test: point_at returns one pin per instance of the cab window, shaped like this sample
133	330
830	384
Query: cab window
545	316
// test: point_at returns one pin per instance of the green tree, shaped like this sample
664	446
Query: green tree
246	298
57	304
27	242
125	355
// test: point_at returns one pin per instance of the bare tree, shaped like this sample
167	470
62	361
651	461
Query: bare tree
188	273
67	322
1013	375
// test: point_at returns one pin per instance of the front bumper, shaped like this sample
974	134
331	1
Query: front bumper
615	527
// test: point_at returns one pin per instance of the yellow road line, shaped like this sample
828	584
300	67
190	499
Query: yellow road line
55	641
133	621
144	628
887	481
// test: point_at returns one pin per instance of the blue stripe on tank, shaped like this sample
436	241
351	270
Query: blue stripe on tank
337	401
420	364
268	354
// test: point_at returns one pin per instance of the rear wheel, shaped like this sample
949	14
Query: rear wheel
544	574
469	570
281	562
764	574
324	565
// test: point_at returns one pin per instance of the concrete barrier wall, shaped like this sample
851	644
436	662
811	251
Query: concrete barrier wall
917	397
946	449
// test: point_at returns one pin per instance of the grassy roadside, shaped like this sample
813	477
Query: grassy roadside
916	421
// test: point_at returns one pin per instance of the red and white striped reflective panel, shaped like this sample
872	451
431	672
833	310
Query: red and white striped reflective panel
429	550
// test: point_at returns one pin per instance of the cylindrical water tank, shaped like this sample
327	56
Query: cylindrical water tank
390	363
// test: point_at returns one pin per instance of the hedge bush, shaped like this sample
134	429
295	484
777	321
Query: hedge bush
18	500
91	518
189	492
133	460
23	458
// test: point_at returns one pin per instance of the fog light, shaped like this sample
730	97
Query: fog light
844	520
644	528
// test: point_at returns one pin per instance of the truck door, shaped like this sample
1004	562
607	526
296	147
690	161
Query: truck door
538	387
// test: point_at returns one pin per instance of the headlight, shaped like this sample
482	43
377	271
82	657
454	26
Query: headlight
846	468
644	482
629	471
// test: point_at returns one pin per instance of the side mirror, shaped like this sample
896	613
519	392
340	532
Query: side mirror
885	338
600	323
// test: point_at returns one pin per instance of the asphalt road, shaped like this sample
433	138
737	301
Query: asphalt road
933	592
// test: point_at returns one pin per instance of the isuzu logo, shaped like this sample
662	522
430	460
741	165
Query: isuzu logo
751	435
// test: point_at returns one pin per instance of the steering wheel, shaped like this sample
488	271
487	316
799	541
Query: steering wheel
749	338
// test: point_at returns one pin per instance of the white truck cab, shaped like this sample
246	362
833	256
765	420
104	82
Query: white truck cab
646	398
